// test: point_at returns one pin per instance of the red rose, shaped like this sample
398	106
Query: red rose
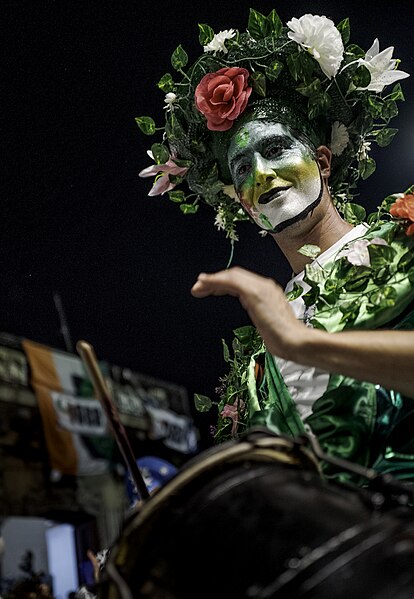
222	97
404	208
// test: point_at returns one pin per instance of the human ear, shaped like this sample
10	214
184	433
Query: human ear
324	158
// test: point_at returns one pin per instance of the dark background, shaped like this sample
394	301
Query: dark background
75	217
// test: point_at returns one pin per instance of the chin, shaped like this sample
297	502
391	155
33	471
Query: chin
298	218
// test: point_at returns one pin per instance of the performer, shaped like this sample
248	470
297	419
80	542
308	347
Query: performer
276	125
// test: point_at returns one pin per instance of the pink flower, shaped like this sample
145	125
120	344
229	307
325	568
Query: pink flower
357	253
162	183
231	411
222	97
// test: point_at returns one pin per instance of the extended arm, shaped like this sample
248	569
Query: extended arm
382	357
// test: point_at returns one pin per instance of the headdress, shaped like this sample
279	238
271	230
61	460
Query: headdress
305	75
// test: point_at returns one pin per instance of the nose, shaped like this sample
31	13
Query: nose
264	172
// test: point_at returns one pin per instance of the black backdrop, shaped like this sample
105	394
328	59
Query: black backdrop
75	217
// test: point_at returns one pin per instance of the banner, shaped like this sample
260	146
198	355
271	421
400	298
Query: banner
70	422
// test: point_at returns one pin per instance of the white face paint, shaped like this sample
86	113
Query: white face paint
275	174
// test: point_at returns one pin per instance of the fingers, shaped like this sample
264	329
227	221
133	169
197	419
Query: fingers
225	282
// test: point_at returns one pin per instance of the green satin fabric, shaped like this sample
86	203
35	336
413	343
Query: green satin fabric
353	420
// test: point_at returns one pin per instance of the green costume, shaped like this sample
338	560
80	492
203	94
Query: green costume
357	421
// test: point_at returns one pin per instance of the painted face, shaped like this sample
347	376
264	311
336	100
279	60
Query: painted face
276	175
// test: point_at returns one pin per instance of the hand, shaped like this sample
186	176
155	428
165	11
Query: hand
264	301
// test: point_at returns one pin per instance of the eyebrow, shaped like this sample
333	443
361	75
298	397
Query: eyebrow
277	139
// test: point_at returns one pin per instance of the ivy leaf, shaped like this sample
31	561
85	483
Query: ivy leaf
206	34
344	30
274	24
355	51
374	107
384	297
179	58
273	70
258	81
389	110
202	403
226	352
367	167
396	94
189	208
318	104
312	89
166	83
160	153
176	196
312	251
257	25
354	213
385	137
362	77
146	124
295	293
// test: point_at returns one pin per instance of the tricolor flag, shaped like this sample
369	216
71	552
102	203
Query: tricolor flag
75	426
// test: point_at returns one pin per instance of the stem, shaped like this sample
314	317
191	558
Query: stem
231	254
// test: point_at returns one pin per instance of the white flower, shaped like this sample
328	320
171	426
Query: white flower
263	233
357	252
382	67
364	150
169	100
217	43
219	221
339	138
319	36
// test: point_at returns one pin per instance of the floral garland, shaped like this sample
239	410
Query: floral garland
378	269
336	87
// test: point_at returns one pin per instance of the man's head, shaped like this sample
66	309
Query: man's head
276	173
305	75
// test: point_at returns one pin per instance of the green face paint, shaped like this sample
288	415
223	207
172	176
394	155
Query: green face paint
275	174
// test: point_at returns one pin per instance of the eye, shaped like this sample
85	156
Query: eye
243	169
273	151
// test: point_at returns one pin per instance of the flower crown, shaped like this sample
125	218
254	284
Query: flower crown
304	74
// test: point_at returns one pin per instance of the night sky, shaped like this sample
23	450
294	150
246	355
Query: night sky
75	217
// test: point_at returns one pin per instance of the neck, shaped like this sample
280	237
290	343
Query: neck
323	227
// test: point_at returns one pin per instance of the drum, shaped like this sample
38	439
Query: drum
254	518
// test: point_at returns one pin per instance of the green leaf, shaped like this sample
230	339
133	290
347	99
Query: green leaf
160	153
146	124
202	403
245	335
173	128
274	24
312	89
182	163
295	293
312	251
344	30
206	34
354	213
258	81
294	65
318	104
389	110
176	196
384	297
367	167
273	70
380	255
226	352
355	51
396	94
374	106
385	136
362	77
179	58
166	83
189	208
257	25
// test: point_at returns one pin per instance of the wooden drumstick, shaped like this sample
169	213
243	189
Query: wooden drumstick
88	356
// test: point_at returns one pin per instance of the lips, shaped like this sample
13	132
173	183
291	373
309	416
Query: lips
267	197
